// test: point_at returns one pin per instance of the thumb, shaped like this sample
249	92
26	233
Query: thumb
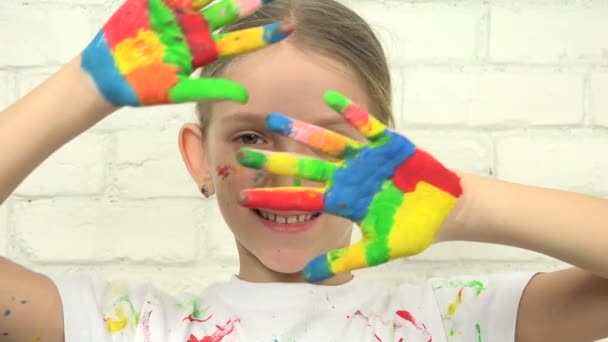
360	255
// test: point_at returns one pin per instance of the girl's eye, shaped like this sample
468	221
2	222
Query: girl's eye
249	139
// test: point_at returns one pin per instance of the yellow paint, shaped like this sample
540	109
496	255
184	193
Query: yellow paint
235	43
118	324
372	127
420	216
350	258
143	50
453	307
282	164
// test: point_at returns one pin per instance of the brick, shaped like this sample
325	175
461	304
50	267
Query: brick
558	34
478	97
148	163
568	160
157	117
430	32
7	89
221	246
33	77
599	99
78	168
164	231
463	151
42	35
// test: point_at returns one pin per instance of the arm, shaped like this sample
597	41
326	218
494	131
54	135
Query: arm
40	123
91	87
569	305
30	131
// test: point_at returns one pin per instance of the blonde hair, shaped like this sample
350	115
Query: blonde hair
332	30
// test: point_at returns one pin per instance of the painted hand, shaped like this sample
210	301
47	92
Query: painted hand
398	194
147	50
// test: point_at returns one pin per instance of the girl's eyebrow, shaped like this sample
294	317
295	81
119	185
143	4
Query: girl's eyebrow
242	116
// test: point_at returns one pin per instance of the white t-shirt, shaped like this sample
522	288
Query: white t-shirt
445	310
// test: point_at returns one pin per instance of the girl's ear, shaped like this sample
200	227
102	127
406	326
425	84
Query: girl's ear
192	148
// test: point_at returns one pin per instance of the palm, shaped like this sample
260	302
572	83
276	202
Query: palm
397	193
147	50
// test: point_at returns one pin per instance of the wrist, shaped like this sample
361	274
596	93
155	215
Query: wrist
454	228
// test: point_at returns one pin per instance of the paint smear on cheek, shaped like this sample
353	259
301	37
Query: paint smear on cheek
258	177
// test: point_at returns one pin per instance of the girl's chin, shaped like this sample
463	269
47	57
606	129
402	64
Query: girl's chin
285	260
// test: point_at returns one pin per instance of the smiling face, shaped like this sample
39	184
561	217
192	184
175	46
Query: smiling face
273	245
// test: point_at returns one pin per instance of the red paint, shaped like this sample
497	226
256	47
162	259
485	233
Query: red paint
356	115
223	171
421	166
130	18
219	334
304	200
192	319
198	36
419	326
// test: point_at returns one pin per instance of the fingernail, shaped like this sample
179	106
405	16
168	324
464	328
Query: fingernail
276	32
250	158
317	270
336	101
279	123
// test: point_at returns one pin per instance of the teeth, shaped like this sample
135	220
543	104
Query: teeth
285	219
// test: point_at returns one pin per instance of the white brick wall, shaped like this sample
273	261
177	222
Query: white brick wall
509	88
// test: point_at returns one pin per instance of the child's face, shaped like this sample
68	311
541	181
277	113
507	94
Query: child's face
284	79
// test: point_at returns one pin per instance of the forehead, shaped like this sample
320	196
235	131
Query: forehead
290	80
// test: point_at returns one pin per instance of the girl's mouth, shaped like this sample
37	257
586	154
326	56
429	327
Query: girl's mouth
286	222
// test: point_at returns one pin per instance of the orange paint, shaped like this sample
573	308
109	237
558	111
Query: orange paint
153	82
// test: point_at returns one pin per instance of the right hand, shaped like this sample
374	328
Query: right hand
147	50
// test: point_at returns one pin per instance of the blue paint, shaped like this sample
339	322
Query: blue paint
375	163
317	269
272	35
98	61
279	124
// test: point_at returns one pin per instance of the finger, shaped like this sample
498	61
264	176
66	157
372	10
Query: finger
355	115
188	90
326	141
228	11
287	164
337	261
251	39
287	198
195	5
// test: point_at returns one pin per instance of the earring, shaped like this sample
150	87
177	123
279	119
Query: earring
205	191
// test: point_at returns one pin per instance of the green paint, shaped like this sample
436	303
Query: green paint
196	312
336	101
379	222
478	329
315	170
221	14
188	90
7	312
164	22
452	332
127	299
250	158
474	284
297	182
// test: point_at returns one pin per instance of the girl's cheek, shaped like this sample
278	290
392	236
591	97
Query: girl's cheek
236	177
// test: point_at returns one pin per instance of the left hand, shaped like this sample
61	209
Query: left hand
398	194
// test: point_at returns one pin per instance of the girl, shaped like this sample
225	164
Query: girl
402	198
